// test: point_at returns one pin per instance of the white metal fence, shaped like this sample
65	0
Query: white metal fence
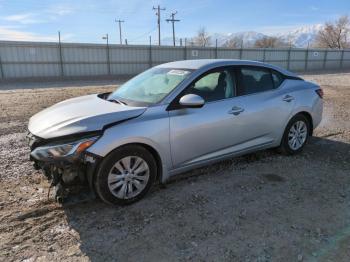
38	60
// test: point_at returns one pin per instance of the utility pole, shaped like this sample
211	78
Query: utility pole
158	14
120	29
60	52
150	52
173	20
105	37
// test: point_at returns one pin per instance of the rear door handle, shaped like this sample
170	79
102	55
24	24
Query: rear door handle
236	110
288	98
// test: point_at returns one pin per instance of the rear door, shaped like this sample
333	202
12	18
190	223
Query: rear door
266	108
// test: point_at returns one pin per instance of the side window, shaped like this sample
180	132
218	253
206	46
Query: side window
254	80
277	79
214	86
208	82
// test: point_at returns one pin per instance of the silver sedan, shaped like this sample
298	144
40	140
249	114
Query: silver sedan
169	119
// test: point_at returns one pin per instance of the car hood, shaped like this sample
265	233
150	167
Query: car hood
78	115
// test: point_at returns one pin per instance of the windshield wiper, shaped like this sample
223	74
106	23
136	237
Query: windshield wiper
117	101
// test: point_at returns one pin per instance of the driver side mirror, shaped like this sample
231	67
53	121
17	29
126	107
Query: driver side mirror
191	101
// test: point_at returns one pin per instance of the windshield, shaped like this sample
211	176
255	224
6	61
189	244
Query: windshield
150	86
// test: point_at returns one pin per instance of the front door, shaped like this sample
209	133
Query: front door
200	133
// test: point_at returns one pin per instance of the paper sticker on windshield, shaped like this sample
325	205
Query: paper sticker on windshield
178	72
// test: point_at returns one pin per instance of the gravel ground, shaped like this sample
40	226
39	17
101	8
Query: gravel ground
260	207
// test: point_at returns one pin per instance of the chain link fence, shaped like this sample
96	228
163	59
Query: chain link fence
19	60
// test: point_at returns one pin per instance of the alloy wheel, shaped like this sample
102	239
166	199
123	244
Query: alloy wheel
128	177
297	135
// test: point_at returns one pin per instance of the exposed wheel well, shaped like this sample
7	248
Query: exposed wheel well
309	118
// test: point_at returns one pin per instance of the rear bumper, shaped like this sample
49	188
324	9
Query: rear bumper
317	112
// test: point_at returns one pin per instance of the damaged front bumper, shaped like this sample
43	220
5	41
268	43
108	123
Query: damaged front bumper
64	162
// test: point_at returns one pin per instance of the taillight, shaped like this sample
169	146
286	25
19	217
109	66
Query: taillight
319	92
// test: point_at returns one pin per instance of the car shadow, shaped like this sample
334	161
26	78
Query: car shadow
259	206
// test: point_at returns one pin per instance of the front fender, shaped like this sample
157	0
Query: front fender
145	130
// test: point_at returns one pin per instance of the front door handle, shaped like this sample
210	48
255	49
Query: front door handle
236	110
288	98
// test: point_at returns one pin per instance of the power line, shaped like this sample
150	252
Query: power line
144	34
158	14
120	29
173	20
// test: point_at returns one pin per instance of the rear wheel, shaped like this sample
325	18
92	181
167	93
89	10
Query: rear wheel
125	175
295	135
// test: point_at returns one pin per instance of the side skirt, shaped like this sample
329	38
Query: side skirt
207	162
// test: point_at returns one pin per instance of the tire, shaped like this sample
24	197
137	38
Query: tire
125	175
298	122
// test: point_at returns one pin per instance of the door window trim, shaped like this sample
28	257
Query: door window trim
174	104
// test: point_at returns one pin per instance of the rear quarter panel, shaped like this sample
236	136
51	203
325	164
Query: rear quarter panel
306	99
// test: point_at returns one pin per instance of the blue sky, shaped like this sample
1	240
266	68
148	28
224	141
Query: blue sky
88	20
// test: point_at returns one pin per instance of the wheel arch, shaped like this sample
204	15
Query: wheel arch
308	117
155	155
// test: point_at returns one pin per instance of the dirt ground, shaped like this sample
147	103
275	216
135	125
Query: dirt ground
260	207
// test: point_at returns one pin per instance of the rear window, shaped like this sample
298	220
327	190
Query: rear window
255	80
277	78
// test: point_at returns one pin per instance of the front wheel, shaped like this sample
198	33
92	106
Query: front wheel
125	175
295	135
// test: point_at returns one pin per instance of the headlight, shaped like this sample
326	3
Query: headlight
63	150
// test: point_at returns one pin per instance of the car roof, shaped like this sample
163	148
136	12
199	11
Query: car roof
212	63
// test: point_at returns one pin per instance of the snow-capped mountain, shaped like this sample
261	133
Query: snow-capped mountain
302	36
248	37
299	37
